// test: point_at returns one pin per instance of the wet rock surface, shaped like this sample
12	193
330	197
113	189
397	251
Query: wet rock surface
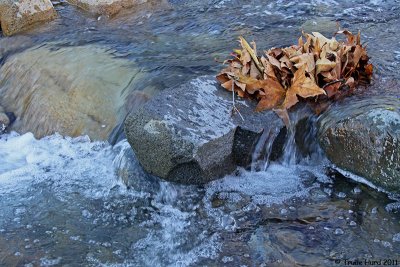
336	219
363	136
70	90
17	16
106	7
6	119
188	134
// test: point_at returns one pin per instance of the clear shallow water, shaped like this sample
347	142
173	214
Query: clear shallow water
178	40
63	203
174	41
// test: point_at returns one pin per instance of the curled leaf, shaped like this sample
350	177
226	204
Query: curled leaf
302	86
324	64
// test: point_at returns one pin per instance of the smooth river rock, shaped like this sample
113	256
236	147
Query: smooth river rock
106	7
70	90
363	136
189	135
19	15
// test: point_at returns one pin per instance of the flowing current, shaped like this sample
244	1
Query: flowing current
74	202
64	202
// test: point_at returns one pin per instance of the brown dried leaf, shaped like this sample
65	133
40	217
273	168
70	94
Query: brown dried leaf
301	86
324	64
254	72
305	68
274	61
369	69
332	89
276	52
268	69
351	39
306	59
358	53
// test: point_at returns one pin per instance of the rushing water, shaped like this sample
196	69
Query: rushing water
63	200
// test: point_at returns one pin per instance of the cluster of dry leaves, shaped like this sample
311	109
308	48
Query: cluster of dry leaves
317	69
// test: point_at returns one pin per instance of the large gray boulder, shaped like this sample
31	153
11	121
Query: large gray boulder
189	135
363	136
16	16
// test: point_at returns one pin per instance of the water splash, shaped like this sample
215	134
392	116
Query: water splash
65	192
301	129
290	156
262	152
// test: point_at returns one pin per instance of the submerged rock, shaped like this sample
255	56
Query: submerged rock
14	44
188	134
363	136
6	119
70	90
16	16
324	25
106	7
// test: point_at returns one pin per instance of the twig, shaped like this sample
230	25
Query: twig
333	82
234	108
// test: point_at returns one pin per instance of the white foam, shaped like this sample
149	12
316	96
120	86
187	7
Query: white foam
276	185
79	172
67	162
357	178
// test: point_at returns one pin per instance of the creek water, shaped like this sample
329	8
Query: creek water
64	201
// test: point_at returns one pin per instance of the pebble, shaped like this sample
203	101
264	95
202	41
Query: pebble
356	190
339	231
353	223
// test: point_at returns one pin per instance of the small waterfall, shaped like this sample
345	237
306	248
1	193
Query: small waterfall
262	152
307	141
300	142
290	150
